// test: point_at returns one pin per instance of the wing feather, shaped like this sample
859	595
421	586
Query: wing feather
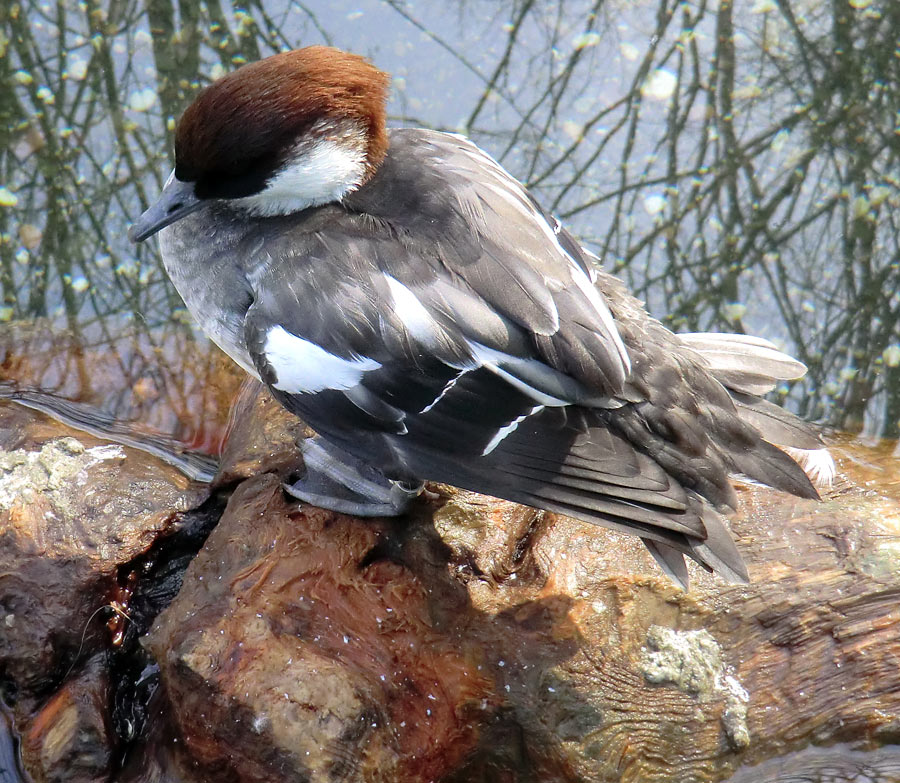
485	358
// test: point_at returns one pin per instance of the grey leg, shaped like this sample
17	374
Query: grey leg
340	482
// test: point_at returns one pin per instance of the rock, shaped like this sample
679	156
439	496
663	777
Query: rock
692	662
157	755
292	653
488	537
665	685
471	640
73	511
262	437
71	739
839	764
580	660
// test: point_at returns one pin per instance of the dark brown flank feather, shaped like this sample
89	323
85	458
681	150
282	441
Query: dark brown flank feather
230	134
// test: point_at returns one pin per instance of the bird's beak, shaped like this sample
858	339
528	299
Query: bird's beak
176	201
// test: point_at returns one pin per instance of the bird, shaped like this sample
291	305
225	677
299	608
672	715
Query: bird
413	303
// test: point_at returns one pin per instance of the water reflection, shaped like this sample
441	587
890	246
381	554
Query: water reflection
157	389
737	162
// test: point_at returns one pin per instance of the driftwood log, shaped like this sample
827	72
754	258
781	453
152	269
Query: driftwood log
476	640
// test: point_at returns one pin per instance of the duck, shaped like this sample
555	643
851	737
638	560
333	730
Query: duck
413	303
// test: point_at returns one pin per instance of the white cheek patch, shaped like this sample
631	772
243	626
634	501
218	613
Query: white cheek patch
325	172
303	367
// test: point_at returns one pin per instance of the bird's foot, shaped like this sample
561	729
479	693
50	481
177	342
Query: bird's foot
339	482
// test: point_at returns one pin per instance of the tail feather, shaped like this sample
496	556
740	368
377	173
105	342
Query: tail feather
769	465
670	560
818	464
659	464
750	365
775	424
718	551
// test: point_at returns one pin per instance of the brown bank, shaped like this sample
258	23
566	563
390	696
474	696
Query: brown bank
473	641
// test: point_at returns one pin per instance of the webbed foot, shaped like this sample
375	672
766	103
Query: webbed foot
340	482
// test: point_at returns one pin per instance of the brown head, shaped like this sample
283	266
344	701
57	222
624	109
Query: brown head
243	126
294	130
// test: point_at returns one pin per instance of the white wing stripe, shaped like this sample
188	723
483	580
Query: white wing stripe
303	367
510	428
492	360
450	384
593	295
414	315
590	291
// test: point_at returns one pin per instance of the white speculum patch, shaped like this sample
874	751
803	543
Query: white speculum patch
303	367
495	360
